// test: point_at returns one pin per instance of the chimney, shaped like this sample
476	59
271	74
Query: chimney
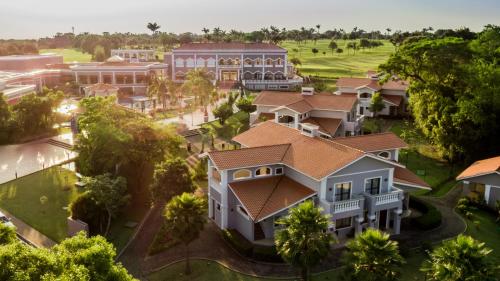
310	130
307	91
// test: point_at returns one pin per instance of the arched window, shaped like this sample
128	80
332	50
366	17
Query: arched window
279	76
248	62
200	62
384	154
258	61
179	62
229	62
263	171
237	61
211	62
279	61
222	62
269	62
365	95
242	174
190	62
247	76
257	76
268	76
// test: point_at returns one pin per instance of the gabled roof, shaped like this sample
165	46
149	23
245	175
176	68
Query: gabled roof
326	125
228	46
355	82
373	142
393	99
481	167
300	103
406	177
248	157
267	196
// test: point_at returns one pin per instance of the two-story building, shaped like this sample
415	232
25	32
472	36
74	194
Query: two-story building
134	55
356	180
332	115
258	66
393	93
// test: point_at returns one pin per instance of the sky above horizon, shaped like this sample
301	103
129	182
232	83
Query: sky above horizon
37	18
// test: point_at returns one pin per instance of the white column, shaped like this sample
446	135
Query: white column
263	66
396	155
285	63
134	80
100	80
487	190
322	189
276	117
209	169
216	66
296	121
390	180
224	204
195	62
113	81
76	78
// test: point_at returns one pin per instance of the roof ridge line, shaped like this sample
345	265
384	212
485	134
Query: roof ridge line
269	197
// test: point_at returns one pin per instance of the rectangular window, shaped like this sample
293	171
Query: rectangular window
343	223
278	171
342	191
218	207
361	110
372	186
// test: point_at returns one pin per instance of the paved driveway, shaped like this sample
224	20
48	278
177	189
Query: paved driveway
28	158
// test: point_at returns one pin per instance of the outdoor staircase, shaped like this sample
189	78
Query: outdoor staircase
192	161
61	144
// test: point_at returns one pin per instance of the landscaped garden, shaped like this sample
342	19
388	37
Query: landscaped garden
334	65
41	200
69	55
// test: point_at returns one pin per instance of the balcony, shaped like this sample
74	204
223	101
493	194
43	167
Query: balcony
384	201
284	81
354	205
355	126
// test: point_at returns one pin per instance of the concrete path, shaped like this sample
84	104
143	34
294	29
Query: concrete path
29	233
23	159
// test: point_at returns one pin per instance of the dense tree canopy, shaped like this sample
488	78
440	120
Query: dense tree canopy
171	177
454	91
7	234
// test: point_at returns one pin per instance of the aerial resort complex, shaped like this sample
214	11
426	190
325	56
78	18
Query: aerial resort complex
138	142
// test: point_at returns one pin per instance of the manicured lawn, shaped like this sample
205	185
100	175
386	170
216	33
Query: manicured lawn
234	125
337	65
488	232
426	162
22	199
69	55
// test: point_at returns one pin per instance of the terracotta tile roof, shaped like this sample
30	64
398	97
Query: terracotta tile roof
315	157
265	116
326	125
404	176
481	167
394	99
316	101
247	157
373	142
267	196
228	46
396	85
300	106
353	82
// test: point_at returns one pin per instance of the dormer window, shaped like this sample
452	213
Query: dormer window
384	154
278	171
242	174
365	95
263	171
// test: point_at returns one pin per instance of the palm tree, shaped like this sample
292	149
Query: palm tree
153	26
372	256
206	31
460	259
159	87
304	241
185	218
198	84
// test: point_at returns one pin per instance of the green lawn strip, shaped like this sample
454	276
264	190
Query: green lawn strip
228	130
333	65
69	55
488	231
119	233
21	198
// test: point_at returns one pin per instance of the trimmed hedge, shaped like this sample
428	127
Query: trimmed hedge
431	217
247	249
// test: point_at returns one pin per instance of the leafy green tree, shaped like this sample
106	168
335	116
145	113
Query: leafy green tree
303	241
108	192
153	26
333	46
454	98
99	53
199	85
33	114
372	256
460	259
185	219
246	105
223	112
376	104
5	120
7	234
315	51
296	61
171	177
339	51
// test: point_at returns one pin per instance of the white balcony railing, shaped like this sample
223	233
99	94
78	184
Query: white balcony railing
284	81
386	198
345	206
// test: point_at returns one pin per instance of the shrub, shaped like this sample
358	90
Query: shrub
85	209
239	243
266	253
431	217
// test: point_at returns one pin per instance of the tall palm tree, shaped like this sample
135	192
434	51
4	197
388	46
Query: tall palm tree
460	259
158	87
185	219
303	241
198	84
372	256
153	26
206	31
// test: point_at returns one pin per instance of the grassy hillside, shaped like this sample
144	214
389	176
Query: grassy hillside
69	55
336	65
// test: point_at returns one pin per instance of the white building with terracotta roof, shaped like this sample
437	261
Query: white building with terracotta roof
331	115
481	181
393	93
357	180
258	66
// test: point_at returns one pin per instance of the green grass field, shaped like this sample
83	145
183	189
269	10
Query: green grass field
21	198
488	231
69	55
334	65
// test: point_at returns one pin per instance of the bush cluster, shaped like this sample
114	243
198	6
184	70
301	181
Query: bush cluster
247	249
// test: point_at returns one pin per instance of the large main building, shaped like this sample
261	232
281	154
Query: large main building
258	66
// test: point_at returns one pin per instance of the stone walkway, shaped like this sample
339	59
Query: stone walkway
23	159
210	245
29	233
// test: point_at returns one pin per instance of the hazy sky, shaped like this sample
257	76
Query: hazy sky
38	18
